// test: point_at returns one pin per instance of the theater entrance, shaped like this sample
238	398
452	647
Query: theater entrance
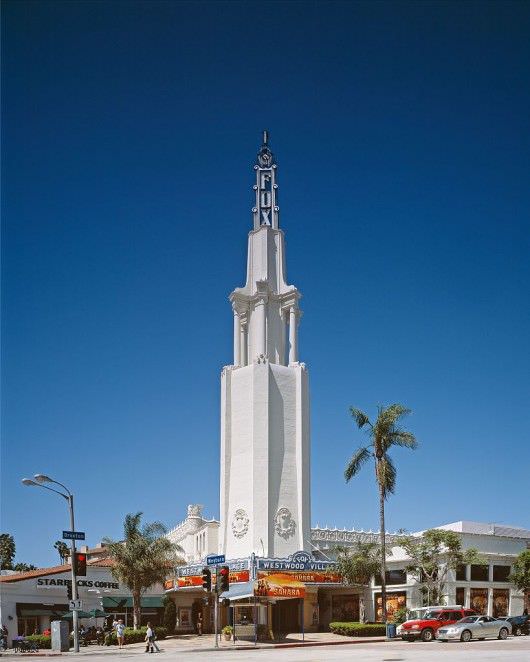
286	617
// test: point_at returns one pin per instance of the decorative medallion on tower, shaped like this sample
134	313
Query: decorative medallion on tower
284	523
266	210
240	523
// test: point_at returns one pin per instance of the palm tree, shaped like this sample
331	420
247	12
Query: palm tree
358	566
145	557
384	434
63	550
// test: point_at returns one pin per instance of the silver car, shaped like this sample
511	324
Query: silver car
475	627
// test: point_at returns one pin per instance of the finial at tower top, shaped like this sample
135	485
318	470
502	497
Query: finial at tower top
265	137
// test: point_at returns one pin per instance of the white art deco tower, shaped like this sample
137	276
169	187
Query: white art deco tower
265	501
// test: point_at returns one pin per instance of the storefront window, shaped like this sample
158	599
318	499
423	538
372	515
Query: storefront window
396	577
28	625
345	608
460	596
461	573
501	572
244	615
394	601
501	601
392	577
479	573
479	600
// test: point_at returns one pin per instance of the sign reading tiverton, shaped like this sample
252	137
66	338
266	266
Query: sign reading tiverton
73	535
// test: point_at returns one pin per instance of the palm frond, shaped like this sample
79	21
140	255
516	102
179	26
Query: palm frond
356	462
360	417
399	437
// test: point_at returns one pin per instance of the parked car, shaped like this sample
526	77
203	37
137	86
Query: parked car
425	628
417	614
520	624
475	627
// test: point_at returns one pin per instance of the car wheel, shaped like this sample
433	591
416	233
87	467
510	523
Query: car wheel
517	631
465	636
427	635
503	633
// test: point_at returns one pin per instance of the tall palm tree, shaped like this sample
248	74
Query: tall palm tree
358	565
145	557
62	549
384	434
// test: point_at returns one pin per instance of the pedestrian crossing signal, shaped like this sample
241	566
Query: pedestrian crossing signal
207	579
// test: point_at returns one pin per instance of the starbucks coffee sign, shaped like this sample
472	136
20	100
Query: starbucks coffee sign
43	582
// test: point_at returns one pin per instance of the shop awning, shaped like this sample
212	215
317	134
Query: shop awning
122	602
239	591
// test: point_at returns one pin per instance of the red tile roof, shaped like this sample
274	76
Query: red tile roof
55	570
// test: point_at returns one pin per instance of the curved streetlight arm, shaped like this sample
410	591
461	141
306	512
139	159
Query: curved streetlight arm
43	478
65	496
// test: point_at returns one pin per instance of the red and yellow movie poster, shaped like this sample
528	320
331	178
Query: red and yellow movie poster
190	580
236	577
279	585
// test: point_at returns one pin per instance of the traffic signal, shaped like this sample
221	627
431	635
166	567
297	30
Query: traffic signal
69	591
80	564
207	579
223	579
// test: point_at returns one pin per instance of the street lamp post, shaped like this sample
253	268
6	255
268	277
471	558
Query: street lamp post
39	479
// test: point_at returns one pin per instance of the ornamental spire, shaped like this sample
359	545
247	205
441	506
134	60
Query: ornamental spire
266	210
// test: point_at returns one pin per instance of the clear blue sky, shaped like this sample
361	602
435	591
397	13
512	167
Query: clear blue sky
129	133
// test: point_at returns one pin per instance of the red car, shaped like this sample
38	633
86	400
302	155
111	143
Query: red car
425	628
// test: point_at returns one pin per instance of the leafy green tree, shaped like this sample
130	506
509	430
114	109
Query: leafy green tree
170	614
432	555
63	550
384	434
24	567
520	575
358	565
145	557
7	551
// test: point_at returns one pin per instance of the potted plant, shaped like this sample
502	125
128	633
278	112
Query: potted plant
227	631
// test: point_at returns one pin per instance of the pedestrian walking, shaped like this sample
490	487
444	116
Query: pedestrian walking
150	637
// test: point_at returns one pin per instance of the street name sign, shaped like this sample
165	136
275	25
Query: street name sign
214	560
75	605
73	535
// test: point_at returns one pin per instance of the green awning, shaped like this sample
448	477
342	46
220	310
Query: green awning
122	602
41	612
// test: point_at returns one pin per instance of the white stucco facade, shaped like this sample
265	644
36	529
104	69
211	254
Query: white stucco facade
265	429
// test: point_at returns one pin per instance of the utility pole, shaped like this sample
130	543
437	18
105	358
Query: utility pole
216	607
75	594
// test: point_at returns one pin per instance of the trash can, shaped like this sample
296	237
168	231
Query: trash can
390	630
60	636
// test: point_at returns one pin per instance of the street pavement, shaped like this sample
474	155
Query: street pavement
200	649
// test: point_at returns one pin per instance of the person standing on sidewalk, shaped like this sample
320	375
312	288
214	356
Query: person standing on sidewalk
120	634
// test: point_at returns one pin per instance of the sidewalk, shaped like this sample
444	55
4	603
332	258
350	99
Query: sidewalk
194	644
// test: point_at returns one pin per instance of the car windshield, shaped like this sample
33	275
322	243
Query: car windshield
432	615
468	619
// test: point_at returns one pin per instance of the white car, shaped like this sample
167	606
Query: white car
475	627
